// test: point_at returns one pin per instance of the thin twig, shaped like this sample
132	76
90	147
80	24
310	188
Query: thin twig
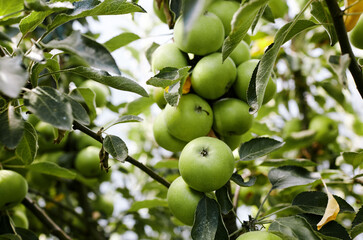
354	67
45	219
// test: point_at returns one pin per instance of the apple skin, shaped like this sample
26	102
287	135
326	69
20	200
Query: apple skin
104	205
205	36
168	55
244	74
211	77
18	215
233	141
241	53
163	137
356	35
231	117
10	181
192	118
87	162
101	91
206	164
224	10
158	97
326	129
183	201
258	235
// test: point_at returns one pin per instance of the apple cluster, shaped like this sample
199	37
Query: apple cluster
212	114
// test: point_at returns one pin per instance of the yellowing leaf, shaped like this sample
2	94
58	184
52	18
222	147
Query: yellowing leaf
353	10
331	211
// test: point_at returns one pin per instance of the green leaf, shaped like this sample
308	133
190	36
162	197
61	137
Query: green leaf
331	230
148	204
118	82
10	237
168	76
116	147
32	21
334	89
206	219
150	51
13	76
28	145
358	218
340	65
258	147
87	8
262	73
288	176
167	163
295	226
241	22
241	182
323	16
316	202
53	169
224	200
78	111
126	119
8	8
26	234
291	162
120	40
11	127
356	230
50	106
87	96
353	158
41	5
138	106
50	64
94	53
5	226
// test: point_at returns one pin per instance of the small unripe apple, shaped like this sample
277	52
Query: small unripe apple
13	188
326	129
225	11
168	55
87	162
241	53
101	91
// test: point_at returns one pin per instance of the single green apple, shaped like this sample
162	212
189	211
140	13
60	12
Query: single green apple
163	137
168	55
225	11
18	215
211	77
13	188
244	74
326	129
206	164
101	91
192	118
205	36
233	141
183	201
87	162
356	35
104	205
231	117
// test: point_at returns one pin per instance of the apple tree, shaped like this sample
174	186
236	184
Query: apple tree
209	119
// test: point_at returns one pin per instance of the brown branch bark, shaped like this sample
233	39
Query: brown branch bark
45	219
354	68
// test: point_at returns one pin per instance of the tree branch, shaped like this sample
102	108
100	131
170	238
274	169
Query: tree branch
147	170
354	68
45	219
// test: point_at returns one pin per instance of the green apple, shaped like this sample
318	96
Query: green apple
183	201
84	140
233	141
104	205
224	10
279	8
101	91
244	74
356	35
46	137
206	164
205	36
18	215
231	117
13	188
326	129
163	137
241	53
211	77
168	55
87	162
158	96
159	12
258	235
192	118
